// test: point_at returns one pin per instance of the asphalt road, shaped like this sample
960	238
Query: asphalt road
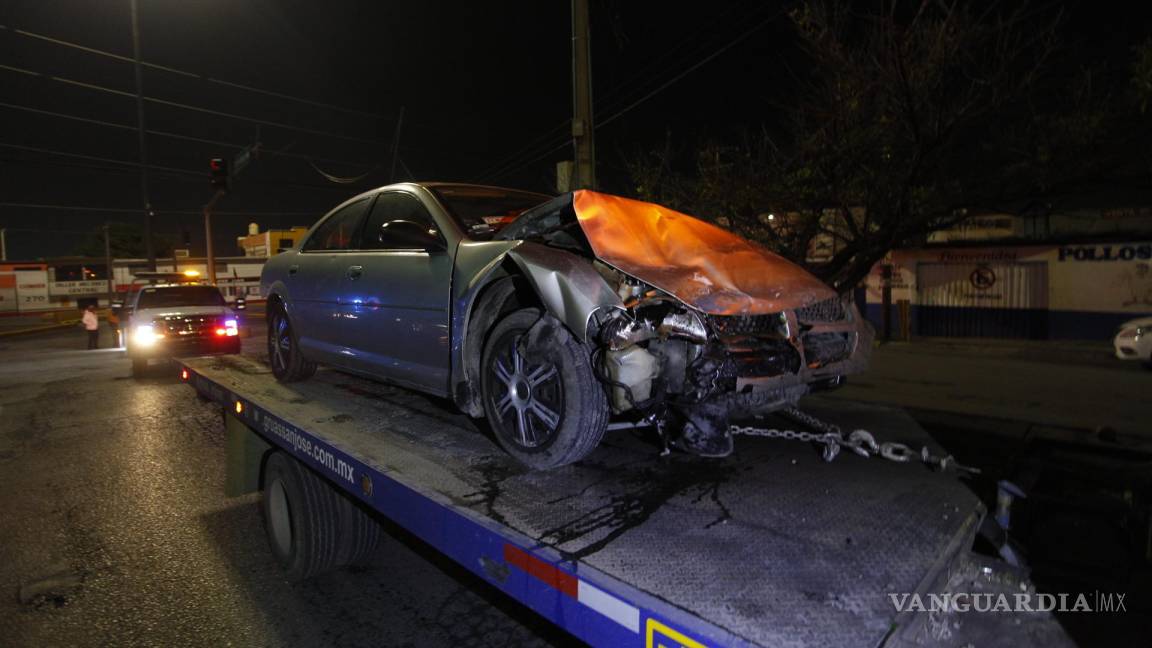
1016	382
115	529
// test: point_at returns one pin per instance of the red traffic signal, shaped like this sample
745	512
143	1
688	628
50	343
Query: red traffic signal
219	169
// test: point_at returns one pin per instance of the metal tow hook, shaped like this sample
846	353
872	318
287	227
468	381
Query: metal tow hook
863	443
897	452
831	448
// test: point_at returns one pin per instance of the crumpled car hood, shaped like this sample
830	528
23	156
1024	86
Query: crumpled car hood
700	264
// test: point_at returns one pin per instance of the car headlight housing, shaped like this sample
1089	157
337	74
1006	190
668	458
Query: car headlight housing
146	335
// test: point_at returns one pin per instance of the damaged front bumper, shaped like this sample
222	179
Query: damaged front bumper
691	372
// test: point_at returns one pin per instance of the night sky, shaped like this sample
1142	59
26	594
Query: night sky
485	89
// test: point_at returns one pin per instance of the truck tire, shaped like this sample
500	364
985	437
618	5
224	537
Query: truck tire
359	535
545	406
312	527
288	364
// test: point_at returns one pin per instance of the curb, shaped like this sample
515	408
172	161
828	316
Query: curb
1020	430
36	329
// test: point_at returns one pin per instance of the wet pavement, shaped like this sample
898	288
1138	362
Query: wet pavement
1056	384
116	531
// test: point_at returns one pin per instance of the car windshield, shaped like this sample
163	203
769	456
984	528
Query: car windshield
482	211
180	296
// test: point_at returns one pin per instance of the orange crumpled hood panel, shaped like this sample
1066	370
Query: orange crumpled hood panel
700	264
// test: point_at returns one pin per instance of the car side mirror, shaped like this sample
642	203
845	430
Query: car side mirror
240	303
406	234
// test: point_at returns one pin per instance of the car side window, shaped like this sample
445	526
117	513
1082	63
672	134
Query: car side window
339	230
399	221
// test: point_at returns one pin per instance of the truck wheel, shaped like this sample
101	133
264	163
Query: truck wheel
312	527
288	365
360	533
544	404
139	367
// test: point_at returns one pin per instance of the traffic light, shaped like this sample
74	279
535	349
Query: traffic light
219	168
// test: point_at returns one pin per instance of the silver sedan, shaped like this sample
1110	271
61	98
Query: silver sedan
549	316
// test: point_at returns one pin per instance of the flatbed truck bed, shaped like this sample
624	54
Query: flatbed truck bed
771	546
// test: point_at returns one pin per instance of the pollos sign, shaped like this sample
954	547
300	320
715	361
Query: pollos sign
1134	252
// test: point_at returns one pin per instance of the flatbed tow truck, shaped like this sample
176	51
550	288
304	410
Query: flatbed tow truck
631	546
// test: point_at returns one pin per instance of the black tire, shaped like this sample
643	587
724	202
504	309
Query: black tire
545	407
139	367
312	527
359	535
288	364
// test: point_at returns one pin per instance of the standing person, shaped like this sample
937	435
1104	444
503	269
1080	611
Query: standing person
92	325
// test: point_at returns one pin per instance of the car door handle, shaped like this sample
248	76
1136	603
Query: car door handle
293	269
354	272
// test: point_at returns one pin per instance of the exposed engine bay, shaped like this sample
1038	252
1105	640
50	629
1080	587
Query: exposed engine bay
689	325
689	372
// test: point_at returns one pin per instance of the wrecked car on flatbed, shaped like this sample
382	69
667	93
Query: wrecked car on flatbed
549	317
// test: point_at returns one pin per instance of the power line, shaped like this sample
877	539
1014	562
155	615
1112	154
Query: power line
185	73
498	172
201	109
81	156
199	176
534	152
136	210
157	133
686	72
184	106
611	97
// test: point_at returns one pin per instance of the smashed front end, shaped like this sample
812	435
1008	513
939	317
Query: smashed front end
695	371
707	326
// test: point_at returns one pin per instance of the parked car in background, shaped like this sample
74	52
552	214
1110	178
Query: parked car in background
1134	341
173	319
548	315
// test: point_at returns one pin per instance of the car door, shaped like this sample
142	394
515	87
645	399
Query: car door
398	288
315	278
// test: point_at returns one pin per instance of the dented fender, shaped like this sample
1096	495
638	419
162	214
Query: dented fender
571	289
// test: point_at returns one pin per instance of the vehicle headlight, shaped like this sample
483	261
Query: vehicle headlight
146	335
1143	330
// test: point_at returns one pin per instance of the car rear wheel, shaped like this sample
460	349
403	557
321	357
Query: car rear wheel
542	401
288	365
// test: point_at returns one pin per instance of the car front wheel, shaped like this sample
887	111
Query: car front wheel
288	365
542	400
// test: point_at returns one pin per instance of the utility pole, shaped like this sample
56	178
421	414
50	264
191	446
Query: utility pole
108	265
222	173
3	244
582	126
149	247
210	257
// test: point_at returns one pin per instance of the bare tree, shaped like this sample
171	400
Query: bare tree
891	133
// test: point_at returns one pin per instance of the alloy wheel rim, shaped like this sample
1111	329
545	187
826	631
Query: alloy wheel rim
527	399
281	343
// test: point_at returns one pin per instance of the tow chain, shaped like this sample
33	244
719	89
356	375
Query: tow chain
861	442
